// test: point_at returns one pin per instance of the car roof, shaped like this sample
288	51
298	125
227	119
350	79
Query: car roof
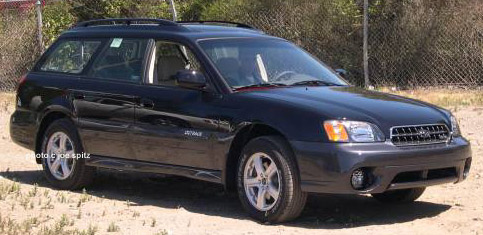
193	30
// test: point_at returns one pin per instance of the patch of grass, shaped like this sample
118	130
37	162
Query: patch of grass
28	224
3	191
162	232
33	191
113	228
136	214
9	226
24	202
90	231
57	228
7	100
62	198
48	205
85	197
64	221
14	187
153	222
79	214
442	97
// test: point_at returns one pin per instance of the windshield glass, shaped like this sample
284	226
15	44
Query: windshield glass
251	62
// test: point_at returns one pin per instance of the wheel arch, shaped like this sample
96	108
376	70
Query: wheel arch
241	138
49	116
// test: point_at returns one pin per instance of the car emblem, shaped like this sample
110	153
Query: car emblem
424	133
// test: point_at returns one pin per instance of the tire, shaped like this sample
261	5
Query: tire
399	196
80	175
286	180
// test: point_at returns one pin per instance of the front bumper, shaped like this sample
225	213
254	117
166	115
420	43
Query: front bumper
328	167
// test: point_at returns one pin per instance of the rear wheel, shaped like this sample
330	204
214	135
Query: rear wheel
268	181
399	196
61	168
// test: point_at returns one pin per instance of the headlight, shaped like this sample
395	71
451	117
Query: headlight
455	128
352	131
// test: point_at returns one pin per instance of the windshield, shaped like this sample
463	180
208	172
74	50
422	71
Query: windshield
258	62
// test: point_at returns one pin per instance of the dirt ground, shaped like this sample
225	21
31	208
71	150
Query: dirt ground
125	203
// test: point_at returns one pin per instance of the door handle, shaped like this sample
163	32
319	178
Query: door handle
146	103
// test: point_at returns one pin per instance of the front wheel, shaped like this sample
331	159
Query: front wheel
399	196
268	181
61	168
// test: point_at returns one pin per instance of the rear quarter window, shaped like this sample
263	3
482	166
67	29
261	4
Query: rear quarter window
70	56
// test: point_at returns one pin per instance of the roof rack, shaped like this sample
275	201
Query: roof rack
215	22
126	21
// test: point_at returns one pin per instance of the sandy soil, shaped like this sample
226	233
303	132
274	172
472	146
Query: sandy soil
144	204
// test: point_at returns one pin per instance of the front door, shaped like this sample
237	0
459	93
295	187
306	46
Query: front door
174	125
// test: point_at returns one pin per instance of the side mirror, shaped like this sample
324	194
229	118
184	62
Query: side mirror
190	79
341	72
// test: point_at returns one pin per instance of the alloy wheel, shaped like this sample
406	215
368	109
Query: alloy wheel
262	182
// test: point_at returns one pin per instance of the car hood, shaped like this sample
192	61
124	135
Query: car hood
352	103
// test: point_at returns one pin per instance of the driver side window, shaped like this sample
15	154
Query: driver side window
166	60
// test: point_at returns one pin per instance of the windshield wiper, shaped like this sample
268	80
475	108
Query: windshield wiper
315	83
270	84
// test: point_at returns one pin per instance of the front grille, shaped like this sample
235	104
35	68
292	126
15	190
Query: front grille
419	134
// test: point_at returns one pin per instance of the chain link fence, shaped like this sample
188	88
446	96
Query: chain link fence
411	42
19	46
328	30
427	43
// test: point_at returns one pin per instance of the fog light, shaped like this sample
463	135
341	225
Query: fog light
467	168
359	179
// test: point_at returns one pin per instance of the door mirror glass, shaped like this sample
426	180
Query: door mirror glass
190	79
341	72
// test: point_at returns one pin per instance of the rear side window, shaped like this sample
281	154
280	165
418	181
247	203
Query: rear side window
70	56
122	59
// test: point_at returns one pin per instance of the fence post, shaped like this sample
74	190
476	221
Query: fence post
173	10
365	44
38	6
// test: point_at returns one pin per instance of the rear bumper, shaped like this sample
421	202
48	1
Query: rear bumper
23	129
328	167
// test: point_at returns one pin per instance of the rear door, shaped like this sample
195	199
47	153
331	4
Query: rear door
104	98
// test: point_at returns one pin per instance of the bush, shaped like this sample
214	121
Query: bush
56	18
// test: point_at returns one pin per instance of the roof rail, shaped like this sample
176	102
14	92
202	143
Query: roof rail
215	22
126	21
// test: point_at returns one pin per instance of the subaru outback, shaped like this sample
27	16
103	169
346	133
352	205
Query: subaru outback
226	103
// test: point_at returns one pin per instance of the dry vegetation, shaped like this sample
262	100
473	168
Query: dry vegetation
123	203
449	98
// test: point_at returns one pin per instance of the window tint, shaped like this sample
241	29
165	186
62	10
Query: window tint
167	59
122	59
245	62
70	56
